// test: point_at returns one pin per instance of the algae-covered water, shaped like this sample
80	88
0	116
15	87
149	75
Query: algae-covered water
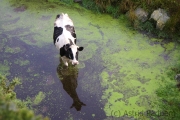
119	69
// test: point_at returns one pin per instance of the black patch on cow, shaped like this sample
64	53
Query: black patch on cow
73	34
80	48
77	55
57	32
69	54
57	39
62	51
66	51
71	30
75	41
67	46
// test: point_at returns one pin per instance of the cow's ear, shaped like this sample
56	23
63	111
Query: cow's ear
80	48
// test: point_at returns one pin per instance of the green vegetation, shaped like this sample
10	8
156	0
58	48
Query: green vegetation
21	62
4	69
169	96
12	108
12	50
39	97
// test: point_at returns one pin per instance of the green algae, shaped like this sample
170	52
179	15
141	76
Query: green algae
4	69
21	62
2	44
35	75
39	97
93	47
134	71
12	50
81	65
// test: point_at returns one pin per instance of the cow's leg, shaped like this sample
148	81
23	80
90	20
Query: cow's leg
65	61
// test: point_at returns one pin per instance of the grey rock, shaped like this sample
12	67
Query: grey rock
141	14
161	17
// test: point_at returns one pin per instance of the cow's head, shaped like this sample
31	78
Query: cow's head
71	52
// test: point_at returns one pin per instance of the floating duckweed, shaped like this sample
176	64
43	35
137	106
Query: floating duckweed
134	72
169	46
35	75
81	65
88	52
2	44
21	62
29	70
12	50
39	97
4	69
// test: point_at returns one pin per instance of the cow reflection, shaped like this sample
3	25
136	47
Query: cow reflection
68	77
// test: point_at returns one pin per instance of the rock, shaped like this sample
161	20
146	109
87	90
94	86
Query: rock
161	17
141	14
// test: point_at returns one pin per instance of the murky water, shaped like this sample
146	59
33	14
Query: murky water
119	69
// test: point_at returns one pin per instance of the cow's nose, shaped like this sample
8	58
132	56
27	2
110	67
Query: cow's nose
75	63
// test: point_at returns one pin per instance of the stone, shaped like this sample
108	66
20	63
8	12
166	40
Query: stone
161	17
141	14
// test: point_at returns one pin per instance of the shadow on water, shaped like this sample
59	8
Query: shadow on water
68	77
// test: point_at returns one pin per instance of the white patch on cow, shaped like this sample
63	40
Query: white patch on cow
74	50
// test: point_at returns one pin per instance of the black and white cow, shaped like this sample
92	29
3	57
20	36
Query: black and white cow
65	39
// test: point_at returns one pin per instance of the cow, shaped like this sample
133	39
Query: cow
65	39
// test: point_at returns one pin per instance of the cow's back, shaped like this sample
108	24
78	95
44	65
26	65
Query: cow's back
63	31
